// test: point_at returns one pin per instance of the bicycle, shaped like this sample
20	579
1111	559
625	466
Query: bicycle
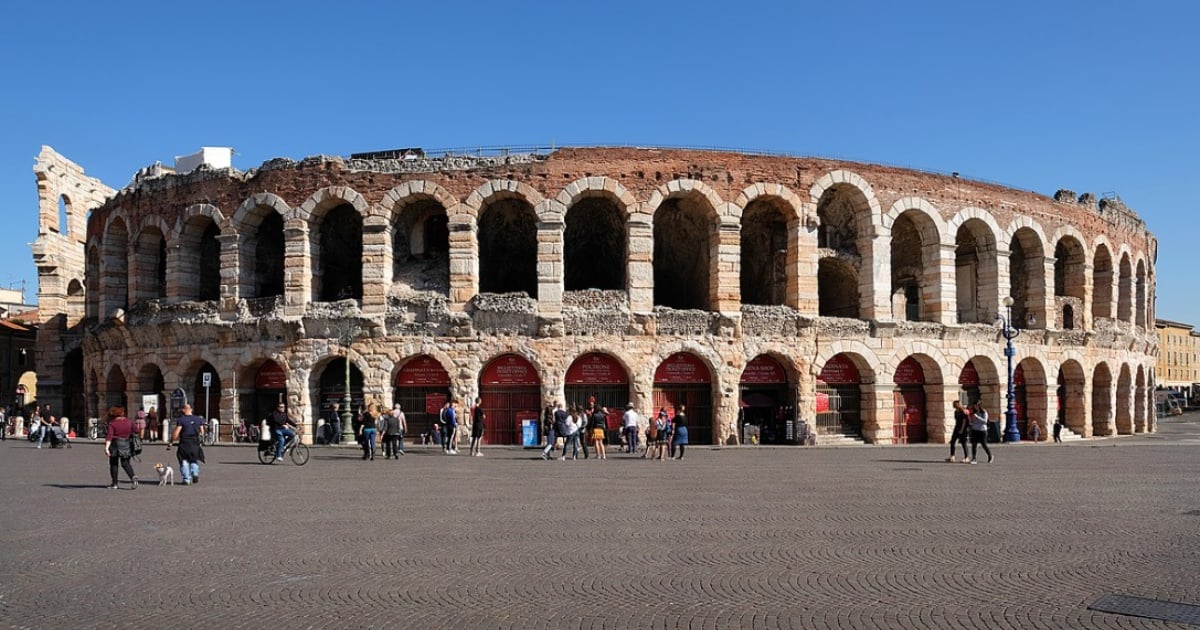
210	436
97	430
298	451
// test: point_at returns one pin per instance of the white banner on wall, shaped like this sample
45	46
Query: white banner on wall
149	401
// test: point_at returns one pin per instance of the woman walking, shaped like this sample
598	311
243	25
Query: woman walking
367	429
571	436
962	428
680	433
477	418
979	420
116	446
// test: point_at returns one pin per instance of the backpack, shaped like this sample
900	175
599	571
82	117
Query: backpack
560	425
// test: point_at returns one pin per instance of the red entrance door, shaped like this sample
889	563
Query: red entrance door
511	391
908	423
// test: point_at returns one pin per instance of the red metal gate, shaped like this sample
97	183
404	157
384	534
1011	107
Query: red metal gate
511	391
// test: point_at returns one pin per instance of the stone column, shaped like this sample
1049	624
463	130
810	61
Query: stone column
640	263
377	265
802	293
230	274
875	278
297	271
464	258
550	267
724	279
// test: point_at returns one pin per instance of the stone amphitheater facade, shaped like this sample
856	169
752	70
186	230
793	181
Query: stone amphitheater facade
760	290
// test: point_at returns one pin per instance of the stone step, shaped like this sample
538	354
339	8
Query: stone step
839	439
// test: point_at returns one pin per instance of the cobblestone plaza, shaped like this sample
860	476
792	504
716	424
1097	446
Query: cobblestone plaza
730	537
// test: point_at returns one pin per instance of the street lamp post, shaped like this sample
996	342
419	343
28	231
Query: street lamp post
1011	432
345	338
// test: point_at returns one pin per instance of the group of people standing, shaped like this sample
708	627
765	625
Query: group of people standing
579	426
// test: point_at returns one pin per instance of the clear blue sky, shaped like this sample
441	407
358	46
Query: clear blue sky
1096	96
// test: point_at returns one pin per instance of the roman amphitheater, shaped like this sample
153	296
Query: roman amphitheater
769	294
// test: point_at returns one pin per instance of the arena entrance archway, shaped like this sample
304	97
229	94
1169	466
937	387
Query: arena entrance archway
684	379
270	389
209	407
1102	401
510	391
421	388
839	397
1124	413
1139	402
968	384
767	400
74	402
114	390
331	389
599	379
908	423
1071	411
1030	398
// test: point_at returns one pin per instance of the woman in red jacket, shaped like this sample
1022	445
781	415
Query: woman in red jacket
116	445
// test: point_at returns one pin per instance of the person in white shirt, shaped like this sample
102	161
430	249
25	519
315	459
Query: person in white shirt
630	421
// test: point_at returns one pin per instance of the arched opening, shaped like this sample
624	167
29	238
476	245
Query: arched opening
268	388
114	389
1102	400
683	233
151	389
909	419
1140	408
980	381
75	302
1069	276
422	387
1102	284
200	259
767	402
837	288
839	397
1124	411
206	399
1125	291
594	246
339	258
508	247
915	267
1026	274
332	386
843	216
64	215
74	399
511	393
976	273
594	379
421	248
269	252
683	382
1070	411
150	264
116	268
764	255
1139	307
1030	399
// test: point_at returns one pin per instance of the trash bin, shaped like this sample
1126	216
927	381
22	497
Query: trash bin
993	432
529	433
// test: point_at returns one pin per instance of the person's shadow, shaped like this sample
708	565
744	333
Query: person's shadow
77	486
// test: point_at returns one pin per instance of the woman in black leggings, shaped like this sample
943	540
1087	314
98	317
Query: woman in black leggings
979	420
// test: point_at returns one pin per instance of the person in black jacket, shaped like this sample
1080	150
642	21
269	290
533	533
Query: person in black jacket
477	420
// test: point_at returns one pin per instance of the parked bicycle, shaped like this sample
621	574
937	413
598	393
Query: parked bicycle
245	432
298	451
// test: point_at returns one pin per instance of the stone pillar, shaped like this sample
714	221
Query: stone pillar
230	274
640	263
724	279
464	258
802	293
550	267
875	279
297	272
877	411
377	265
941	283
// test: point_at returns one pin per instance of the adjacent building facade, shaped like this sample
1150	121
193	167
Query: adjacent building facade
759	291
1178	364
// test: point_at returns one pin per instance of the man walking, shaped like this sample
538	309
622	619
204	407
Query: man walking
558	427
477	419
188	431
451	428
630	421
335	421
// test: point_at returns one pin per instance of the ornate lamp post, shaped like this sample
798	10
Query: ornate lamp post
346	334
1011	432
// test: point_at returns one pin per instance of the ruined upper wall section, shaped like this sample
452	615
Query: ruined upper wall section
60	178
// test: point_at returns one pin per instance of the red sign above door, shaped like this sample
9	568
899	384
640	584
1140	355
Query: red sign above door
422	371
270	376
909	372
764	370
596	369
969	377
509	369
682	367
839	370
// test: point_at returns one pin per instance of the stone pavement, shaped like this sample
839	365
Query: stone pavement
889	537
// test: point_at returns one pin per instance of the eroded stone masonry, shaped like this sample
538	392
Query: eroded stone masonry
759	291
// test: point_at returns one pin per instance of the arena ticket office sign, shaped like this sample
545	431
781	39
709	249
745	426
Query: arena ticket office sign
908	423
684	379
599	379
510	391
421	388
839	397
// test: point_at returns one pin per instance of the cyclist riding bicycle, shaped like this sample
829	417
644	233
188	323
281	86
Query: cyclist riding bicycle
282	427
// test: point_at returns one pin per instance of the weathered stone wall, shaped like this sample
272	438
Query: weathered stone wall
464	329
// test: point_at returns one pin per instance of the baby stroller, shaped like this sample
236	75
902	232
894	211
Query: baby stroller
57	437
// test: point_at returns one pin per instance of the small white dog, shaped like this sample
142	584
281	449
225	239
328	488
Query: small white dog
166	474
